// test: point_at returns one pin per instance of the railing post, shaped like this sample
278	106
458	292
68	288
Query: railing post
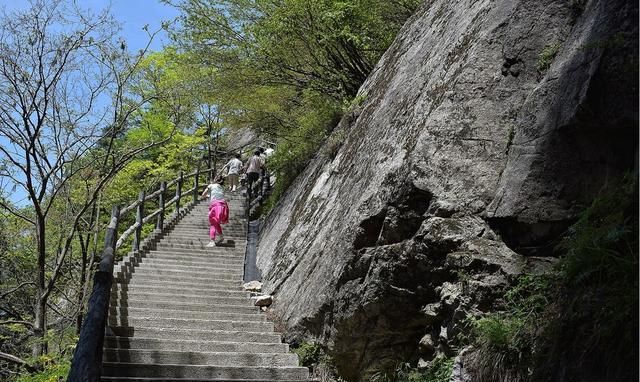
160	221
196	184
139	216
87	358
178	193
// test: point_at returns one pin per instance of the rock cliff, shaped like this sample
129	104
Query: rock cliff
485	128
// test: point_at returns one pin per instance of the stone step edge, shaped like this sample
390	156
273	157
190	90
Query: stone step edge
200	341
219	353
169	379
270	333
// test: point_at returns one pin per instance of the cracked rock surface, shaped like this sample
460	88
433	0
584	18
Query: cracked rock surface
459	171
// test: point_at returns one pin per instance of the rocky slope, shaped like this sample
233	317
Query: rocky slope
484	130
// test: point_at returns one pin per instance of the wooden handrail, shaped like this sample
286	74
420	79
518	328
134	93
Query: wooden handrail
87	358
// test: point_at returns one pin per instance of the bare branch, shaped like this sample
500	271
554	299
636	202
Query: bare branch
5	294
17	322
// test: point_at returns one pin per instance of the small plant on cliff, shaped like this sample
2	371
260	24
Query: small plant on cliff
545	58
439	371
334	142
313	355
356	102
309	353
505	341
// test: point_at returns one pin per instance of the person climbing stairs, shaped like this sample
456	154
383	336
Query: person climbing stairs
180	312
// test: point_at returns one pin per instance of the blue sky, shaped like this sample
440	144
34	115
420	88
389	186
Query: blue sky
132	14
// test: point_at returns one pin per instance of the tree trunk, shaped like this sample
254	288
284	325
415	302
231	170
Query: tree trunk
39	325
84	247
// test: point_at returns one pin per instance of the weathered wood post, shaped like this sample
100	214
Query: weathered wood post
87	358
139	216
196	184
178	193
160	221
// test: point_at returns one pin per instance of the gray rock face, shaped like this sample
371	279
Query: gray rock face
464	163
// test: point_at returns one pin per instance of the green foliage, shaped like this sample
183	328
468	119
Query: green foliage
287	69
439	371
525	302
309	353
54	370
587	304
545	58
356	102
602	256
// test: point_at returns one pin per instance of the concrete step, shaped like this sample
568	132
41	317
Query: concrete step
158	379
234	236
143	293
200	358
152	257
178	323
193	345
162	288
202	245
201	335
203	226
229	242
168	313
184	306
217	250
204	232
234	221
219	275
202	241
211	267
164	379
200	227
120	369
196	255
150	280
152	297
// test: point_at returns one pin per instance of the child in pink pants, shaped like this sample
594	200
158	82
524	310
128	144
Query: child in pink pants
218	214
218	211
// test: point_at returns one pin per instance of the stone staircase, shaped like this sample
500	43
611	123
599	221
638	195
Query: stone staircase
179	313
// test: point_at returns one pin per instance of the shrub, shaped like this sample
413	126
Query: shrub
545	58
439	371
54	370
308	353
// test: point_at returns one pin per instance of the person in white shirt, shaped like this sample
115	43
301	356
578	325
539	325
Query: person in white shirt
218	210
233	175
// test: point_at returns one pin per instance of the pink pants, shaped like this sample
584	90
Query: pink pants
218	214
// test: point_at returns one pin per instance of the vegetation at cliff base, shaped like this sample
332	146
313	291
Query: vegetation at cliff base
583	315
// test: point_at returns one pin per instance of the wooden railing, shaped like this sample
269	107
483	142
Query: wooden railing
259	192
87	358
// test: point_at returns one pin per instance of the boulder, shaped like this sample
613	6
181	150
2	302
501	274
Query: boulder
253	286
262	300
465	158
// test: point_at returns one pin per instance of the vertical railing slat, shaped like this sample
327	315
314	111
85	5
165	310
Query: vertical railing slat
139	216
160	221
179	192
196	185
